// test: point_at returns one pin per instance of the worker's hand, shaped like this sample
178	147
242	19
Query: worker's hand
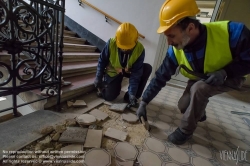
98	83
141	111
133	101
216	78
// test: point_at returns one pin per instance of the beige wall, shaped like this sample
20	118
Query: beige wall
237	10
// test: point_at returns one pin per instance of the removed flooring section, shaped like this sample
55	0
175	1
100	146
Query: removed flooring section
118	107
17	133
74	135
116	134
99	114
93	139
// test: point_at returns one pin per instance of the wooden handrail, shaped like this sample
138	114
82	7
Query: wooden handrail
106	15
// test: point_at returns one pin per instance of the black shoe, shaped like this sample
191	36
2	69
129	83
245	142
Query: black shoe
203	118
178	137
126	97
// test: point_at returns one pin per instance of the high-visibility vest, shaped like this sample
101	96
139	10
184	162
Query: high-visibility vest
114	66
217	53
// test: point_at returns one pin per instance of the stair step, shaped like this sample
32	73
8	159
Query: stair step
73	40
69	33
80	57
80	85
78	48
78	68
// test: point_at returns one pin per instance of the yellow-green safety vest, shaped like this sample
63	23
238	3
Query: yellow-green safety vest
114	66
217	53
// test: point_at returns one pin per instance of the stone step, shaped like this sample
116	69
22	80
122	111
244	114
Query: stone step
80	85
80	57
69	33
78	68
78	48
73	40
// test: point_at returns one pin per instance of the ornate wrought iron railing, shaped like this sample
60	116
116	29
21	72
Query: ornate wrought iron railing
31	33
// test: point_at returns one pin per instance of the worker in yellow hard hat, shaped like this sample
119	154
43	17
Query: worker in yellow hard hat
219	51
123	56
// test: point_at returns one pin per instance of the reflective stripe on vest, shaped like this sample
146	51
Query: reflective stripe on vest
114	63
217	54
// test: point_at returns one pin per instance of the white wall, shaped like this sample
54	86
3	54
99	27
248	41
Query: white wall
143	14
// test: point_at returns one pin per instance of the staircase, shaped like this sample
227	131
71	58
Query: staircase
79	67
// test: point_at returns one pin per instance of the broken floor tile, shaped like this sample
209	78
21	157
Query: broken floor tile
148	158
129	117
74	135
99	114
118	107
69	103
97	157
125	151
124	163
71	148
85	119
93	139
116	134
79	103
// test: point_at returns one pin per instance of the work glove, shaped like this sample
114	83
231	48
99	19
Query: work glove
98	83
141	111
133	101
216	78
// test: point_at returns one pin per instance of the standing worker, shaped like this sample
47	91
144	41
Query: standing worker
123	56
219	50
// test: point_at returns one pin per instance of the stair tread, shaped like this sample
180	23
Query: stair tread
76	83
79	45
79	81
75	38
78	65
80	53
67	31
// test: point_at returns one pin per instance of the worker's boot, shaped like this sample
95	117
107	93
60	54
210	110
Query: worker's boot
178	137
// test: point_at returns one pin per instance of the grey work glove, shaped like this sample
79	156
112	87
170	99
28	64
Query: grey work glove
133	101
141	111
216	78
98	83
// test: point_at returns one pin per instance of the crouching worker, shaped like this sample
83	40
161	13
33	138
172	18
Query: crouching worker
123	56
220	51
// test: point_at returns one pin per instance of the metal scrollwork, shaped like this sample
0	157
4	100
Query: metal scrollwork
31	35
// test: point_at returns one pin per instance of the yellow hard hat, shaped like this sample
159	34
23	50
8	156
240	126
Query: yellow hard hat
126	36
174	10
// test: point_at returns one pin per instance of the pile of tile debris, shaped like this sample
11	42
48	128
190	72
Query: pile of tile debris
84	134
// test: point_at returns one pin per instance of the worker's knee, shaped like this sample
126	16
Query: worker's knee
200	87
110	96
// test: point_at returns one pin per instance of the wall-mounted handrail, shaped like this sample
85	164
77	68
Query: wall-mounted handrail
105	14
